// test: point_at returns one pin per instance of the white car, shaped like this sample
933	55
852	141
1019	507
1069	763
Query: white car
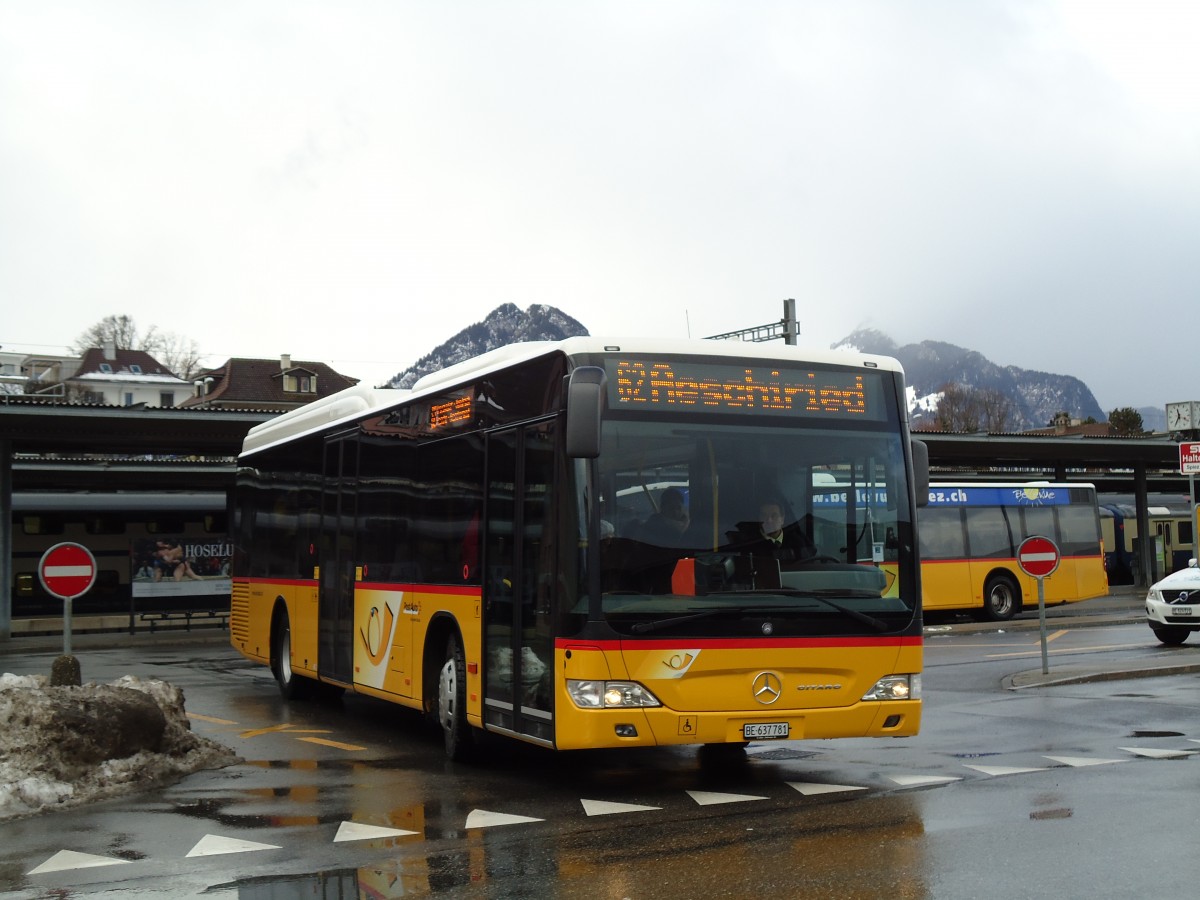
1173	605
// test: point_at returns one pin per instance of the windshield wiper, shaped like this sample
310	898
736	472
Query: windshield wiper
857	615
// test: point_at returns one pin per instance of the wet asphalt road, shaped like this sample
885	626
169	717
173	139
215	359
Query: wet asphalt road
1062	789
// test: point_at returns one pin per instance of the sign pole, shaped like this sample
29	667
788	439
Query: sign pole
1042	623
1189	465
1038	557
67	570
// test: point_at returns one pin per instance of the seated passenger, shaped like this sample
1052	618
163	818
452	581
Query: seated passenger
785	544
666	527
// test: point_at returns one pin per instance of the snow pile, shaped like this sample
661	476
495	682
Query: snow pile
64	746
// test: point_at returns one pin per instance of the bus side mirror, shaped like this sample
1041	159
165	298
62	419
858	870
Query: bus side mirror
920	455
585	400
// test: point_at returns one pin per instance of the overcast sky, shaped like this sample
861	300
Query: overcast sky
355	182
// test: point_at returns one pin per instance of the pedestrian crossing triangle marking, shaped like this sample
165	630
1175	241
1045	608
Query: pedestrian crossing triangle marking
356	831
215	845
482	818
711	798
1154	753
608	808
812	788
1083	761
1007	770
922	780
64	860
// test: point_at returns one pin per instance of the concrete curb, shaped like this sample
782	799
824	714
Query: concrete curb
1077	675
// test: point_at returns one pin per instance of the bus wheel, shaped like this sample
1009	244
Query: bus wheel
291	685
452	702
1001	599
1171	635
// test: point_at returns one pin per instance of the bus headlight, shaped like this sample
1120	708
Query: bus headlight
895	687
609	694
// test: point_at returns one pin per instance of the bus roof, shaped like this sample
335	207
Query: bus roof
360	400
1012	484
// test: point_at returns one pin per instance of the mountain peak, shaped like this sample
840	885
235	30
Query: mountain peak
931	365
504	325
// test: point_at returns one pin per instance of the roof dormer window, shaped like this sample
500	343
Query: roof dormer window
300	383
105	368
135	368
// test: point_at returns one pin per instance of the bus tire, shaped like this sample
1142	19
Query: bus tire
1171	635
291	685
1001	599
452	702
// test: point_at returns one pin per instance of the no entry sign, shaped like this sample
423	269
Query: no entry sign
1037	556
67	570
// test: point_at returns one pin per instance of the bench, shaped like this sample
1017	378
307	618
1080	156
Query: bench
186	616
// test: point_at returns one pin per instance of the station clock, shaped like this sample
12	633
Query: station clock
1180	416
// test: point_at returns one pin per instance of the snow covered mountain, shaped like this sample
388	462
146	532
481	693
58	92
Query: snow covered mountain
504	325
928	366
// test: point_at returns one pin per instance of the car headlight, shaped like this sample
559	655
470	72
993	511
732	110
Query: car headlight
895	687
609	694
1155	595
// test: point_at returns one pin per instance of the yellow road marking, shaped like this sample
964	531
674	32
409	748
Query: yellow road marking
274	729
212	719
336	744
1065	650
1051	637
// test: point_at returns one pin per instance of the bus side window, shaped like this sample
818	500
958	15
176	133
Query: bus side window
987	532
941	533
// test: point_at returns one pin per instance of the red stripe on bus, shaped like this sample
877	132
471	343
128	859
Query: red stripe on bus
454	589
736	643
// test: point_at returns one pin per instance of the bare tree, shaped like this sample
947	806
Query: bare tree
958	410
179	354
999	413
967	410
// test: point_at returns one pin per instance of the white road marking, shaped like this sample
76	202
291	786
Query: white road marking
215	845
482	818
711	798
1083	760
1154	753
608	808
812	788
72	859
922	780
357	831
1006	770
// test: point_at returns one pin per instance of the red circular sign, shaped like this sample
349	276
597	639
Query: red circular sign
1037	556
67	570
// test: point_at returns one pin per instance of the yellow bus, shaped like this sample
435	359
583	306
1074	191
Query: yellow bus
970	532
481	547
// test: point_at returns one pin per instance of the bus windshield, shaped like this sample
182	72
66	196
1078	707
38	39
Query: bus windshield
711	529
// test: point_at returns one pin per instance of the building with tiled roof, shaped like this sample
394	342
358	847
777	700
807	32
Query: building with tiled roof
266	384
124	378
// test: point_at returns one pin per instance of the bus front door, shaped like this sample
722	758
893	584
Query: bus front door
519	579
335	603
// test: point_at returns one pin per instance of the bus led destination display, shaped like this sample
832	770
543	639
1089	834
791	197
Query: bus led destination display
713	387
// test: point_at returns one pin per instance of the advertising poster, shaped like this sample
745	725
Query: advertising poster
180	567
